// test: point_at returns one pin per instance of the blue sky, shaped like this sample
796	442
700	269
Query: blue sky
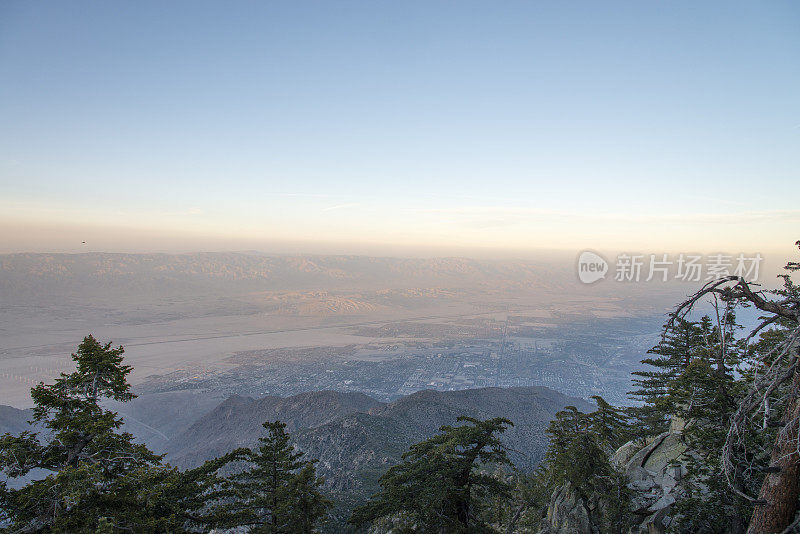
446	125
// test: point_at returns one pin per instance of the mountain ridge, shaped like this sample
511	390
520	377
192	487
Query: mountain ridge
356	438
122	271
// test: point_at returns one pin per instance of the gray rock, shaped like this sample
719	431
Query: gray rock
656	523
664	502
641	456
668	483
623	455
566	514
639	474
654	471
669	450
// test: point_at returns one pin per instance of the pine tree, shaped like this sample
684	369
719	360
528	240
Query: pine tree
93	467
306	504
705	395
271	489
577	460
567	424
778	494
709	401
442	484
672	355
609	424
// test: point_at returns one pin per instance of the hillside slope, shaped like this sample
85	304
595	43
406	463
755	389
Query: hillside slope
357	438
354	451
13	420
237	421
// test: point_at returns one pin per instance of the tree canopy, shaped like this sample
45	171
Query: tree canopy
443	483
93	470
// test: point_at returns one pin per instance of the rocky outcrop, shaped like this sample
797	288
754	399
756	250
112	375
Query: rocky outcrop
568	514
655	470
655	473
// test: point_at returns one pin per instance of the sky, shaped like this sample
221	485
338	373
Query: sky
399	126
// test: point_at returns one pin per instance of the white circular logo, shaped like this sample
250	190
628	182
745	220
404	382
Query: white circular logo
591	267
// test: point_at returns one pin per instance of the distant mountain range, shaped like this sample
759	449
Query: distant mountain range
21	274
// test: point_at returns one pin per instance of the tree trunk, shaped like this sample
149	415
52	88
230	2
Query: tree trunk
781	489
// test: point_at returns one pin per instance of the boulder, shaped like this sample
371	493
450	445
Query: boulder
668	451
664	502
567	514
623	455
654	470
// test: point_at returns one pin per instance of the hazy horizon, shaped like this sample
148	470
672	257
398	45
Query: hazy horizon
773	260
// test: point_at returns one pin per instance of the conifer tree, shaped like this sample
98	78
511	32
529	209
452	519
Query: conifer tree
577	459
780	488
271	489
442	484
567	424
609	424
92	468
682	341
306	504
705	395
